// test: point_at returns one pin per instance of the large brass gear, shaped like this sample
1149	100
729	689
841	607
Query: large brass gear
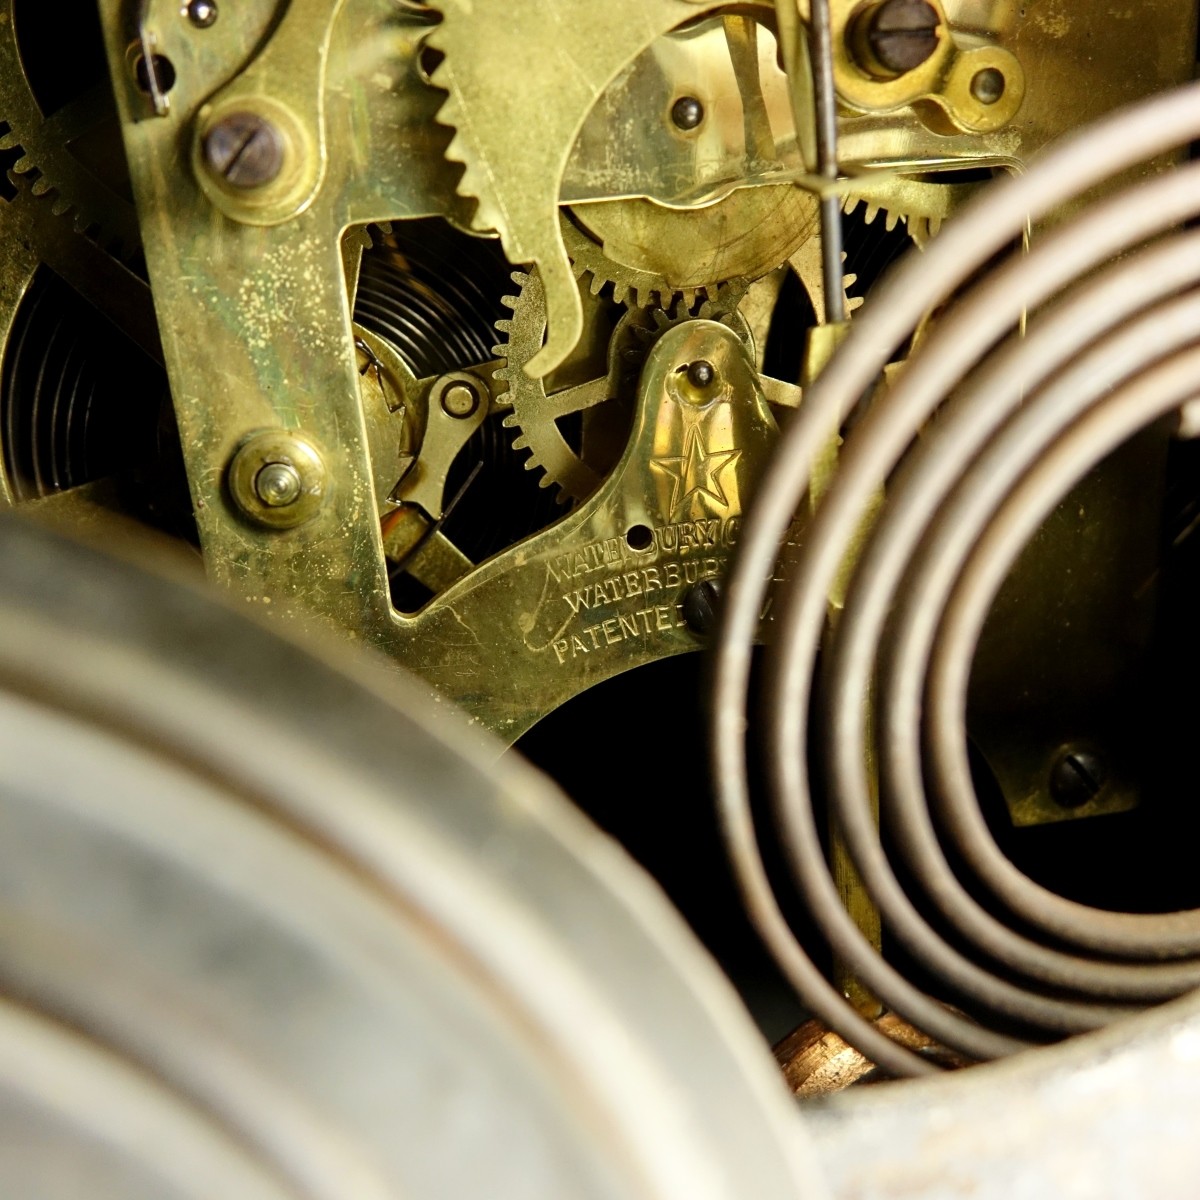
651	254
44	143
517	193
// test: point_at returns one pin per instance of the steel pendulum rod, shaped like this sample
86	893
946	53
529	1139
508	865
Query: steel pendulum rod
824	117
820	43
858	902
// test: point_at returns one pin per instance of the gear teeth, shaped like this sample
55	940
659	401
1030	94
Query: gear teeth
502	395
471	182
631	287
852	303
548	452
923	207
33	188
121	243
502	398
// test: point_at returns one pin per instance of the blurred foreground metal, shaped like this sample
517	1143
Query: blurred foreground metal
262	934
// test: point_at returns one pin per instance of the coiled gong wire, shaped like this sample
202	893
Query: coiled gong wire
1112	346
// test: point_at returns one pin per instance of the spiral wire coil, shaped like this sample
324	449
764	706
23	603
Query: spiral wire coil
1021	416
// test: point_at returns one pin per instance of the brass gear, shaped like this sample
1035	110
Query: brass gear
921	204
536	410
43	143
512	152
651	254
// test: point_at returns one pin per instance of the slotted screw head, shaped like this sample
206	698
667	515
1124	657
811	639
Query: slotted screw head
902	34
700	604
245	149
1077	776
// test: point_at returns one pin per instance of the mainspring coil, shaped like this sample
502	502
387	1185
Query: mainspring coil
1022	414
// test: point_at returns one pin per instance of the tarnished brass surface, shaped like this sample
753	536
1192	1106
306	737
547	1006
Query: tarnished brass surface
603	589
252	285
517	193
645	172
746	234
630	146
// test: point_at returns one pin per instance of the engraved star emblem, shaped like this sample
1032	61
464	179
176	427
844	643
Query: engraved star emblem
697	471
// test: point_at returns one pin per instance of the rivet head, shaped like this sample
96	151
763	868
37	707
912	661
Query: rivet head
987	86
277	479
459	394
278	484
701	373
201	13
460	400
687	113
245	150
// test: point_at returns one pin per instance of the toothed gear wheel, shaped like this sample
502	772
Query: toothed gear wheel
43	142
641	289
650	254
922	205
636	335
535	411
595	269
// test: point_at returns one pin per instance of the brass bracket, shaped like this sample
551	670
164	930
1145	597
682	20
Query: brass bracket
967	83
284	87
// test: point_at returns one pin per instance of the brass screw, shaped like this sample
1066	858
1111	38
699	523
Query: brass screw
899	34
278	484
245	149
